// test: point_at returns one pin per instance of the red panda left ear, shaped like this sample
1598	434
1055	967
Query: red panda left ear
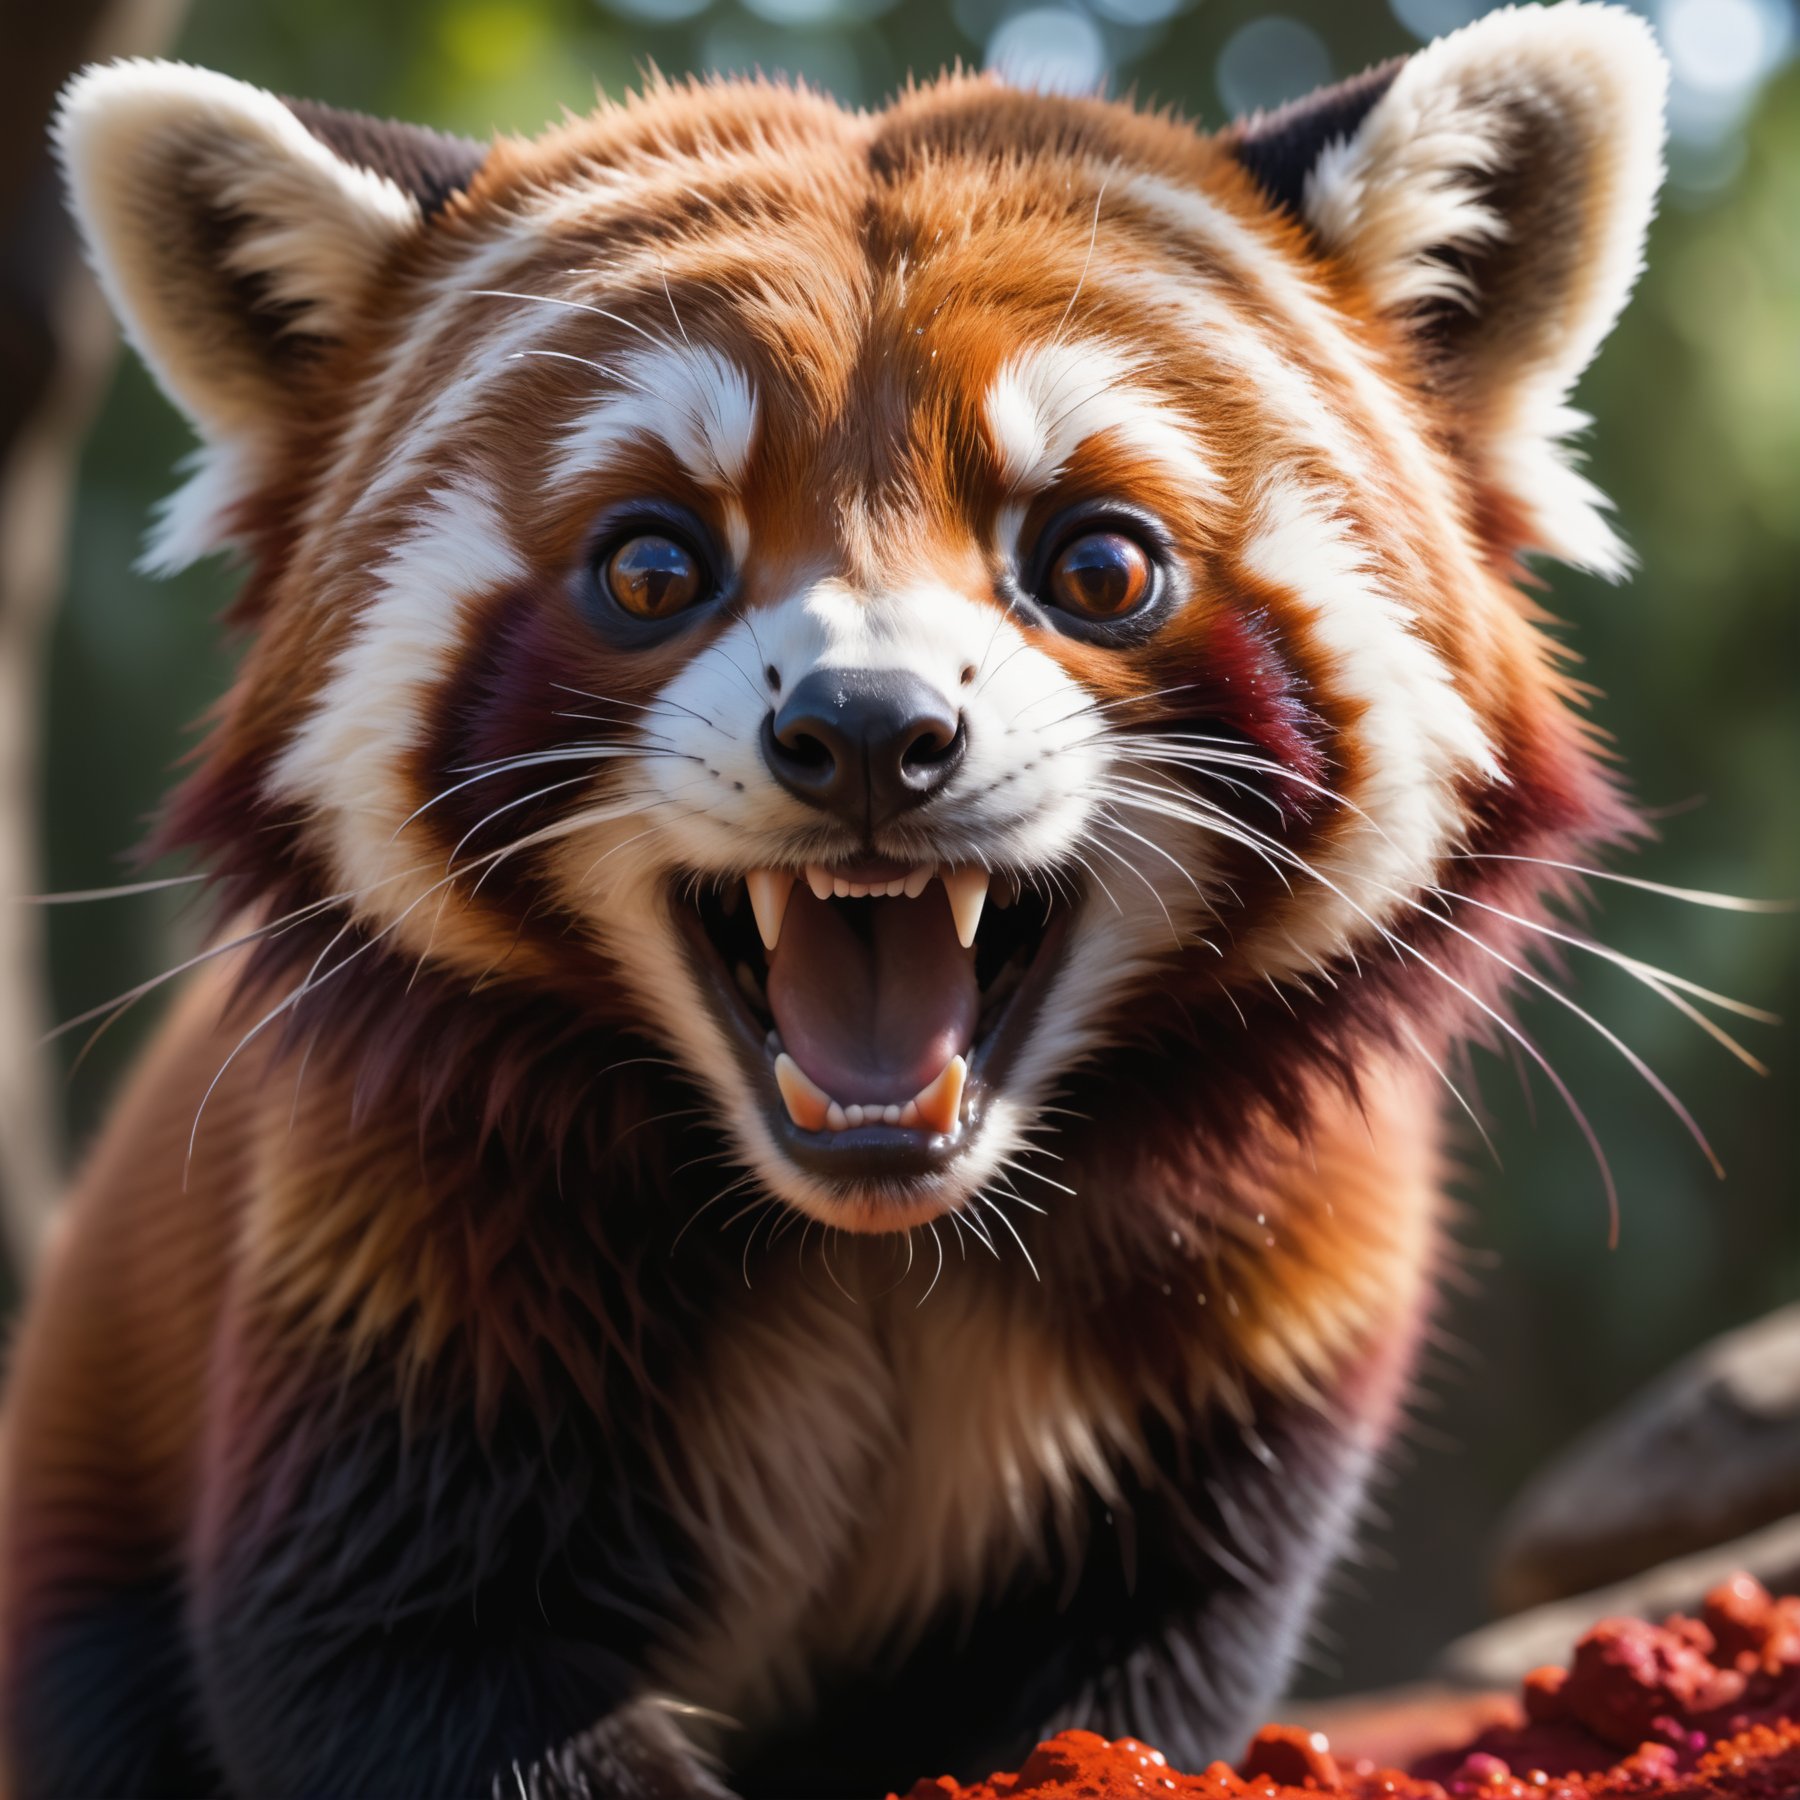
430	166
237	236
1492	193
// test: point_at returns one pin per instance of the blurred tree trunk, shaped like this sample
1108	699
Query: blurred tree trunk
56	347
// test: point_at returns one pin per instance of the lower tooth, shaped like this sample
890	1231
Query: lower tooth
940	1104
808	1105
936	1107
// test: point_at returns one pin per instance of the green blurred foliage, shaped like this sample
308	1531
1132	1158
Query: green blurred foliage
1698	440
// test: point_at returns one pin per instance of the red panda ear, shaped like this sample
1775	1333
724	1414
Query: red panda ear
235	234
1492	192
432	166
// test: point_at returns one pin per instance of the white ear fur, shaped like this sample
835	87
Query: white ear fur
218	224
1501	189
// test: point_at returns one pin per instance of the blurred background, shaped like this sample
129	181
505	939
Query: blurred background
1697	399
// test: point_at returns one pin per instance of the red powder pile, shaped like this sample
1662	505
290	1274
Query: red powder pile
1692	1709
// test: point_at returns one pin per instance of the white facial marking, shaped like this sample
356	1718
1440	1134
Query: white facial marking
1046	402
346	760
695	400
1416	734
1021	713
476	287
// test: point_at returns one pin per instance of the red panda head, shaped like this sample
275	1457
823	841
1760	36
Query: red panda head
910	612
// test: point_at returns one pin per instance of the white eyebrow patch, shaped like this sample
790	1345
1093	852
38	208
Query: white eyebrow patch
695	400
1045	403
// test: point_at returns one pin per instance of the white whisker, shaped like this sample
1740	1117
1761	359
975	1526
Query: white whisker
81	896
1012	1229
587	362
1443	1075
937	1273
1693	896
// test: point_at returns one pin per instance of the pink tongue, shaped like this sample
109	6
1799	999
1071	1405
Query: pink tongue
872	997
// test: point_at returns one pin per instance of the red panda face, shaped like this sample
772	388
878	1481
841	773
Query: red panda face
896	608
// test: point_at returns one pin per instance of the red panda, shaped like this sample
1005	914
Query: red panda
876	761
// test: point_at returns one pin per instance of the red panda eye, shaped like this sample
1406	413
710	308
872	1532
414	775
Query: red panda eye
654	577
1102	575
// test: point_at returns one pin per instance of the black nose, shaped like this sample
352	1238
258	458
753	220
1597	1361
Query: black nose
864	744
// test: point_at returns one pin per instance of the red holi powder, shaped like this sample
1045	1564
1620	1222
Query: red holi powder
1691	1709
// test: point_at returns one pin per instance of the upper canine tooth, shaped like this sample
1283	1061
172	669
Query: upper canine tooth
770	890
819	880
968	890
806	1101
918	880
941	1102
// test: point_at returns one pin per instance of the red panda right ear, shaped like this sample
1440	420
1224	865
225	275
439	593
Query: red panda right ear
1490	194
234	234
1280	149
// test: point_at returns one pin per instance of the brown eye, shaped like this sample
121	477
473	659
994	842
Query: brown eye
1102	576
654	577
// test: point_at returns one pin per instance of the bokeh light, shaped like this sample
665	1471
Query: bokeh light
1427	19
1725	46
1139	12
735	45
1049	49
1268	61
817	13
1721	55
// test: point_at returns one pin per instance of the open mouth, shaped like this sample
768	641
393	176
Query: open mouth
874	1005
